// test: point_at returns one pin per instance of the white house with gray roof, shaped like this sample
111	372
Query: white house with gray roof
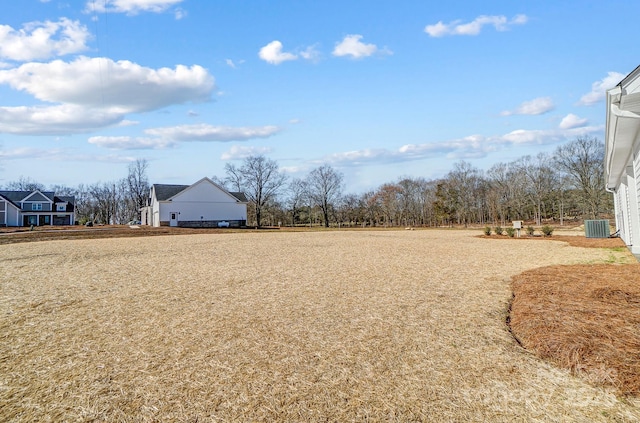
37	208
622	156
203	204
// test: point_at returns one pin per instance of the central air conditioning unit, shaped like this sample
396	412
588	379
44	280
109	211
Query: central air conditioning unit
597	228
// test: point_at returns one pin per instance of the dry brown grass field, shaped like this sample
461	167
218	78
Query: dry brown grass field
283	326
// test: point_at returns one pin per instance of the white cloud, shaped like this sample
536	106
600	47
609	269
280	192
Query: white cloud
180	13
572	121
272	53
352	46
537	106
210	133
237	152
127	122
233	64
93	93
599	89
499	22
311	54
473	146
130	7
166	137
29	153
121	86
43	40
61	155
54	120
130	143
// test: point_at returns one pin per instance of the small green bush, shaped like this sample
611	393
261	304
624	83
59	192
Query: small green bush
511	232
547	230
498	230
487	230
530	230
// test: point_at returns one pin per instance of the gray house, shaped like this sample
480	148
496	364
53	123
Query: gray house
37	208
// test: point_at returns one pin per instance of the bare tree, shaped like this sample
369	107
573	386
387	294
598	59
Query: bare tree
25	184
465	184
63	190
325	187
84	206
106	198
259	178
507	192
370	205
389	200
542	182
582	160
298	192
349	209
137	185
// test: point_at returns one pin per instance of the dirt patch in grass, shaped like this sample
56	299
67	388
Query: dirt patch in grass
585	318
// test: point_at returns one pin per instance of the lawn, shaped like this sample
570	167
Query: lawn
283	326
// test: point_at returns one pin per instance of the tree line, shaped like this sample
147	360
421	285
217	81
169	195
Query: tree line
568	184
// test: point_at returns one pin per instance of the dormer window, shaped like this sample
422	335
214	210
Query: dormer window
36	206
61	207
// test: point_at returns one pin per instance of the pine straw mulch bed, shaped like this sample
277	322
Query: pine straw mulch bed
585	317
573	240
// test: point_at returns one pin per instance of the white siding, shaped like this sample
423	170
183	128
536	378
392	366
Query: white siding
203	192
620	203
203	201
201	210
636	172
632	214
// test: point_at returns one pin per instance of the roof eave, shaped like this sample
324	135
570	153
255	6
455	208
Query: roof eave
622	128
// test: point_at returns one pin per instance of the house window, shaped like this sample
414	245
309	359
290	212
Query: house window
61	207
36	206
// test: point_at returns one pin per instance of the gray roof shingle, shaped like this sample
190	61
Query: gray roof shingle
164	192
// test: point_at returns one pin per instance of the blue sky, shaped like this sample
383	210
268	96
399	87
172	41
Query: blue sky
377	89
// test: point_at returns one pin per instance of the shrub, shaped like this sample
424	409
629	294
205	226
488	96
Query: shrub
487	230
530	230
511	232
498	230
547	230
